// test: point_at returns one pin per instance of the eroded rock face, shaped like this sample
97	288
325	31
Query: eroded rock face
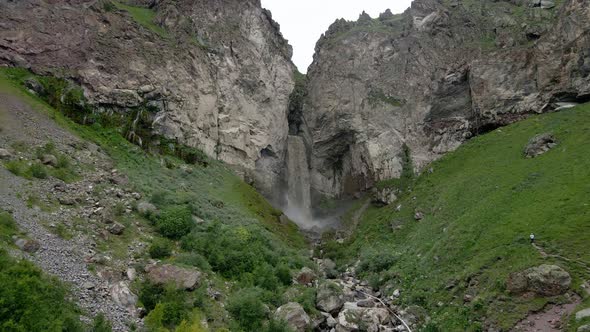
431	78
223	87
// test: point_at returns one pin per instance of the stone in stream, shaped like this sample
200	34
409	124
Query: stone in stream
305	276
352	317
329	297
294	315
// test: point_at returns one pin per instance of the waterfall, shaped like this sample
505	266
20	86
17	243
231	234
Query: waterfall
298	180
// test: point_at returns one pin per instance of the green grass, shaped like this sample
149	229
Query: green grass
480	204
144	16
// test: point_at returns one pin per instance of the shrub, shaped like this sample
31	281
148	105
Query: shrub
101	324
15	167
150	294
194	259
376	261
174	222
37	170
283	273
277	326
264	276
32	301
160	248
167	306
247	308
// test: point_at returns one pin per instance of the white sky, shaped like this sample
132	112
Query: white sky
303	21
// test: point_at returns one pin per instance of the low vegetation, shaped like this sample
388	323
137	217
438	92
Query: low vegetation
144	16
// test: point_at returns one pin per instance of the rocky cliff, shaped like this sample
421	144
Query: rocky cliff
216	75
432	77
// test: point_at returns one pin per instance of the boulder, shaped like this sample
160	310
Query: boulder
49	159
583	314
123	296
352	317
383	196
28	245
329	297
5	154
547	4
418	215
305	276
294	315
584	328
146	208
183	278
539	145
544	280
116	228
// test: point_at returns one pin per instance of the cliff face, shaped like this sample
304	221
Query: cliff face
216	75
433	77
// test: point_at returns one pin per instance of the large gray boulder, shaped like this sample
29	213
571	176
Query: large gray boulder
544	280
352	317
329	297
182	278
294	315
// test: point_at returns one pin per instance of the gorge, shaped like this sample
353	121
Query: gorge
167	160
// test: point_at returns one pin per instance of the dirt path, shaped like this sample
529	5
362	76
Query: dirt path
62	258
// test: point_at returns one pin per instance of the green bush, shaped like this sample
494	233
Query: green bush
160	248
15	167
277	326
174	222
194	259
248	309
283	273
8	227
31	301
167	306
376	261
38	171
101	324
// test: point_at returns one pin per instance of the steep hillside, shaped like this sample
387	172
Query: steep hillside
433	77
215	75
121	225
458	231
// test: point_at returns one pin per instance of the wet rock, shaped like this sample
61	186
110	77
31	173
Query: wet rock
49	159
352	317
5	154
116	229
329	297
544	280
293	313
539	145
305	276
183	278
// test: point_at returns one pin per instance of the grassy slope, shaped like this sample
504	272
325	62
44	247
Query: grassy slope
143	16
480	205
204	184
